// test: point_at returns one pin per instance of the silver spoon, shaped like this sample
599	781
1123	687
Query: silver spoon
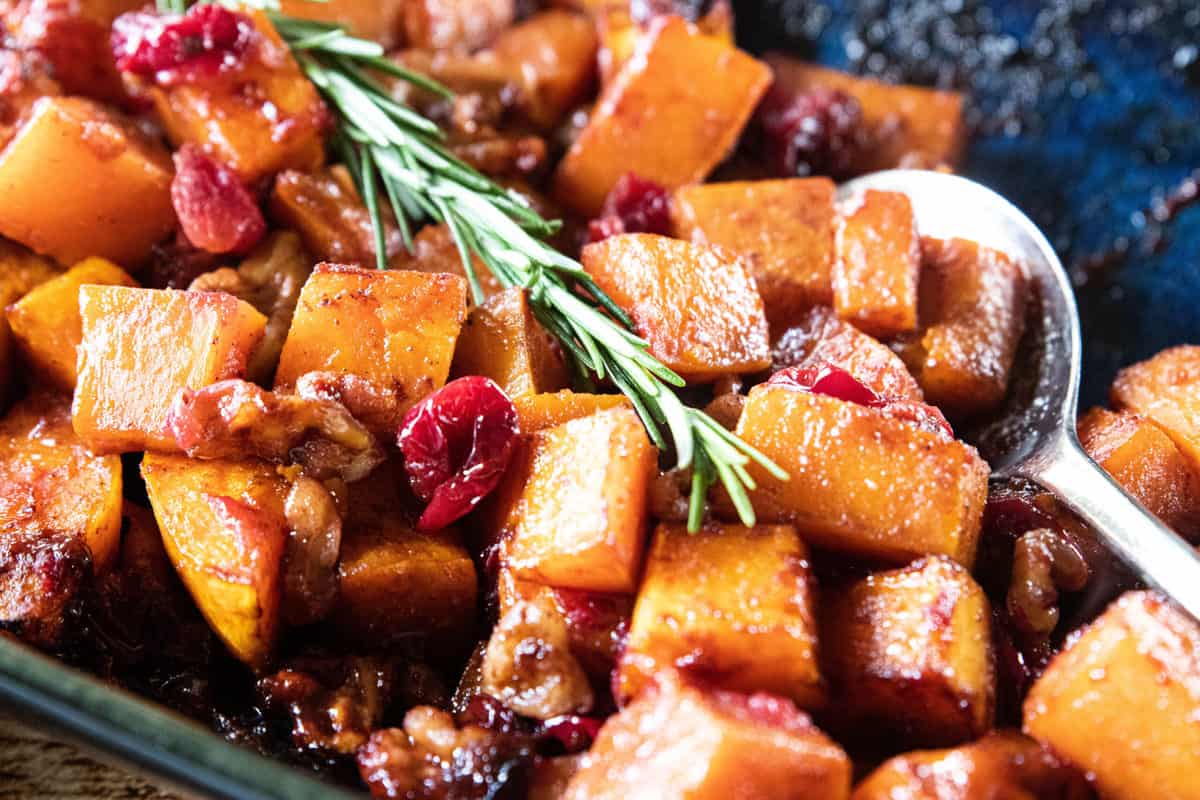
1034	438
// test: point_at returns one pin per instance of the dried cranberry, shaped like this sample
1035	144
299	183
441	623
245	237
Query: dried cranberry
456	444
574	733
210	39
815	133
487	712
216	212
821	377
633	205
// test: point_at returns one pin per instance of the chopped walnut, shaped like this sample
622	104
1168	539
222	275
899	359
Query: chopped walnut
528	665
334	703
234	418
670	494
310	577
432	757
1043	563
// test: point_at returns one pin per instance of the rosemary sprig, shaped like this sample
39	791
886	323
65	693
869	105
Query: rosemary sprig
384	143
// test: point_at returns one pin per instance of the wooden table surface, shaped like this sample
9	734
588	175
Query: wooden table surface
34	765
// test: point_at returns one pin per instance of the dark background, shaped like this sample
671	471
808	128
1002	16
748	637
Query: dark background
1085	113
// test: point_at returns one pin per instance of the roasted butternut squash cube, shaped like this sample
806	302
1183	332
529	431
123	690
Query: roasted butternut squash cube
51	482
46	323
396	582
20	271
502	341
620	33
819	336
116	202
678	742
373	20
554	53
657	120
972	315
455	24
1147	463
692	611
224	529
784	229
696	305
324	207
861	482
907	126
1166	390
1121	700
381	340
909	654
540	411
549	777
265	118
141	348
1001	764
877	266
579	523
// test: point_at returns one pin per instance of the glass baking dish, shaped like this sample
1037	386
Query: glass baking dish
143	735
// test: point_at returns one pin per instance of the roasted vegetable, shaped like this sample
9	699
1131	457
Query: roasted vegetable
128	380
679	742
578	523
909	655
376	341
1144	460
696	305
1166	390
501	340
905	492
692	613
117	202
1000	765
1121	700
972	315
258	117
784	229
224	528
657	120
46	324
877	265
540	411
904	126
376	20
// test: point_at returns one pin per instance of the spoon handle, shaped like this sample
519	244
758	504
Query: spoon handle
1159	555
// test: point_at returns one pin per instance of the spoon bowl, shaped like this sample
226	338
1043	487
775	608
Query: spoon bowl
1033	437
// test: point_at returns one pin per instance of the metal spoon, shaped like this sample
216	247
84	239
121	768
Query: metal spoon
1034	438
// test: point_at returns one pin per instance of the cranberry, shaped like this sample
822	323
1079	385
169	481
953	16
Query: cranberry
815	133
633	205
487	712
574	733
456	444
821	377
216	211
208	40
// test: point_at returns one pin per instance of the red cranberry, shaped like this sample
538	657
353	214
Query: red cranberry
456	444
485	711
216	211
574	733
633	205
816	133
821	377
208	40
